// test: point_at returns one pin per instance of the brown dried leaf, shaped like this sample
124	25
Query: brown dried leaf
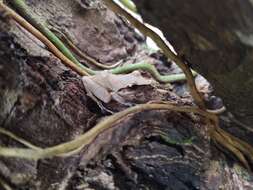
104	84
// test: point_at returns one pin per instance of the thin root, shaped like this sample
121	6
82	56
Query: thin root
89	136
18	139
163	45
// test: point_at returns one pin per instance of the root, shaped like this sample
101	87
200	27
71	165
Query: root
89	136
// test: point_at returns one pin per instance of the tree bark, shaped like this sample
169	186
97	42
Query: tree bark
215	37
45	103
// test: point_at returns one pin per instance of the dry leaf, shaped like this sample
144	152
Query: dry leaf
104	84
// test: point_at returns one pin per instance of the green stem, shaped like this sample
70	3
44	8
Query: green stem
152	70
24	10
129	4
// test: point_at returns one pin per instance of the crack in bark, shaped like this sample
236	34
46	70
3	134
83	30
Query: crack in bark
5	120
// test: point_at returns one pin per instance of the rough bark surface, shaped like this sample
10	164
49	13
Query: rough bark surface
44	102
215	37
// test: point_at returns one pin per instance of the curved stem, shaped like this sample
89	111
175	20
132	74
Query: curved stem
51	37
18	139
24	10
82	55
90	135
20	20
162	44
152	70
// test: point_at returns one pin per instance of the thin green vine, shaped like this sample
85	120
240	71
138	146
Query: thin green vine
25	11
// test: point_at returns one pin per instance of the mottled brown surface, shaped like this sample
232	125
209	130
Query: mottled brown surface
215	37
44	102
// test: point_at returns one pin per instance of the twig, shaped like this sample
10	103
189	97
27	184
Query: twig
3	183
78	52
50	36
31	37
18	139
79	68
162	44
219	138
129	67
24	10
238	143
89	136
43	39
235	145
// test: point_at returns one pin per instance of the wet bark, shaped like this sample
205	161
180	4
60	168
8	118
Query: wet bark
45	103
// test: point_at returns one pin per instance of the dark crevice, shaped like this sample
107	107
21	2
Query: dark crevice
158	139
4	122
187	183
121	178
143	178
